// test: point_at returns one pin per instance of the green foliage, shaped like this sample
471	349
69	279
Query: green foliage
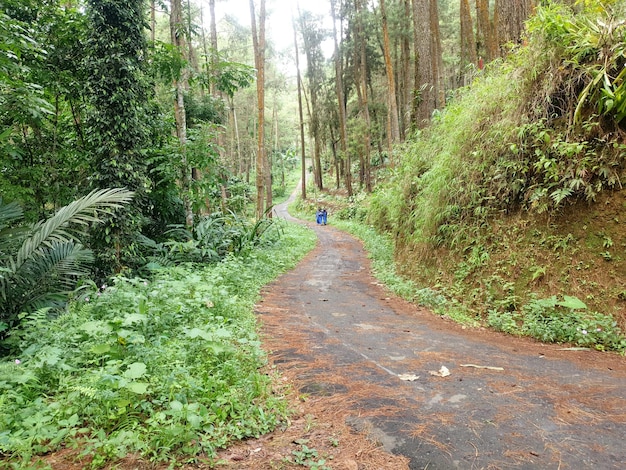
355	209
228	76
517	139
561	321
593	44
309	458
163	367
117	129
41	106
211	239
40	263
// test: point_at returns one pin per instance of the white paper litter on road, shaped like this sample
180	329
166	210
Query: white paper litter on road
442	372
482	367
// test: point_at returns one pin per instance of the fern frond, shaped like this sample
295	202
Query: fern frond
82	211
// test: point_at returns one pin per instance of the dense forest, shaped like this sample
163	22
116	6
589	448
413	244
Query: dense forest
143	145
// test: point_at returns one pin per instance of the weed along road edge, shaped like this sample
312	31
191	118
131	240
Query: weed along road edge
506	403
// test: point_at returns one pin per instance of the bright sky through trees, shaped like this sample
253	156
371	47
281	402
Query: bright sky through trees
279	14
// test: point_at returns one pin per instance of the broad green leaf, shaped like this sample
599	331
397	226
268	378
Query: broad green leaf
137	387
176	405
135	370
198	333
572	302
96	327
133	318
101	348
550	302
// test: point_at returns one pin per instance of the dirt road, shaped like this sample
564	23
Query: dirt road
507	403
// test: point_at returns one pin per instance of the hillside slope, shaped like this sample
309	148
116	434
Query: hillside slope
511	203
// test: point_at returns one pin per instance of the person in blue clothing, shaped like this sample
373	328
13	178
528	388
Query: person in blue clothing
324	216
318	216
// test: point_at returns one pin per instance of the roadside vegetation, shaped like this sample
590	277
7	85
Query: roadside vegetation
129	261
507	210
161	366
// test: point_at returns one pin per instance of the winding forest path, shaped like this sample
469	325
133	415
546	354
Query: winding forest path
332	327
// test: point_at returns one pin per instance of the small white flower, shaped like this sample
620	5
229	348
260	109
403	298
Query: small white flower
18	362
584	332
86	299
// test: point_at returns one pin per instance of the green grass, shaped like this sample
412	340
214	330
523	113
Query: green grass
163	367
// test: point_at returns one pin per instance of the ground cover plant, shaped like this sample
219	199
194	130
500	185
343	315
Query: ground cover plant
513	195
161	367
41	262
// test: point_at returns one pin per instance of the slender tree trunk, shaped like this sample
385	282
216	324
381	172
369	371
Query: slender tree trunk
180	85
213	52
258	41
394	137
468	41
311	48
437	56
425	101
341	101
240	164
152	21
191	52
303	161
405	93
361	73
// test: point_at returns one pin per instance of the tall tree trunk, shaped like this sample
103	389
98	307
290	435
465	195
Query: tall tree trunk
392	101
509	19
312	47
152	21
341	101
180	85
213	52
191	52
485	34
302	143
405	58
361	86
437	56
468	41
258	41
425	101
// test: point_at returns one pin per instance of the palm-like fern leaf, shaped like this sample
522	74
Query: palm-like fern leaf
52	272
83	211
44	263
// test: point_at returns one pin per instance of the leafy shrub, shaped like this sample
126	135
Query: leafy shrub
41	263
561	321
162	367
211	239
355	210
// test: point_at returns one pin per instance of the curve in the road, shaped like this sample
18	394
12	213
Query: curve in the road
533	407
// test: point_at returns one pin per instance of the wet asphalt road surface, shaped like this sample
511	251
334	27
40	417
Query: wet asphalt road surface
526	406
